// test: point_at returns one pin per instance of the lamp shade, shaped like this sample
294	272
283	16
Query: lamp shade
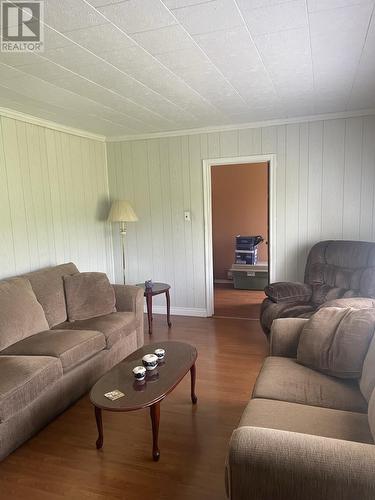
121	211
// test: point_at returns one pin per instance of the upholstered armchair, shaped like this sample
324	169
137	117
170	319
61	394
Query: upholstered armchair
335	270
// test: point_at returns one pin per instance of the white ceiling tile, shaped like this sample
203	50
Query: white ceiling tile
101	3
101	39
255	4
163	39
134	16
185	58
286	55
53	39
176	4
211	16
279	17
72	57
8	73
237	57
315	5
363	92
337	39
45	69
70	15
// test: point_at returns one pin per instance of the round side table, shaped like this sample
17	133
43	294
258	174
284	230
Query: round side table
156	289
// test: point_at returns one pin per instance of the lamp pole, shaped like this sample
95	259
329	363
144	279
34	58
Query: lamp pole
122	236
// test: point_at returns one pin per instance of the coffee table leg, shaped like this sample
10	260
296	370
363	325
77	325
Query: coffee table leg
149	311
194	398
99	423
168	308
155	419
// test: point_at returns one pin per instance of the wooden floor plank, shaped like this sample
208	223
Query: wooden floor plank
62	462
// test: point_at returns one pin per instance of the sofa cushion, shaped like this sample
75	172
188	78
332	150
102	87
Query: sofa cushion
72	347
88	295
23	379
271	310
113	326
21	314
325	422
48	287
286	380
367	380
335	340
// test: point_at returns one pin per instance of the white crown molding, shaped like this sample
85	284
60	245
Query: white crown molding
241	126
18	115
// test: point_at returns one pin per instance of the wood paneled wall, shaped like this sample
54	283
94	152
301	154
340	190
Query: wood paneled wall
53	200
325	178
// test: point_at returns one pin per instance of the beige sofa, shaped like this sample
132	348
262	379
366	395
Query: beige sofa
304	435
44	370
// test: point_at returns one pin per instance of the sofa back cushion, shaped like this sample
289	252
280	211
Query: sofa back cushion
48	287
335	341
367	380
21	315
88	295
371	414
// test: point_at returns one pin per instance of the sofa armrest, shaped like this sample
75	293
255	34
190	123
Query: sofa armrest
269	463
285	291
129	298
285	334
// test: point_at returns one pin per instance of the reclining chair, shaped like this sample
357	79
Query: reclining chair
334	270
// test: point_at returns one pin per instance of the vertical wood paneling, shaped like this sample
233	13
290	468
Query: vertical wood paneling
333	179
352	179
48	201
324	182
368	179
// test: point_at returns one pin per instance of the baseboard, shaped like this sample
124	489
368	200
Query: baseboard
180	311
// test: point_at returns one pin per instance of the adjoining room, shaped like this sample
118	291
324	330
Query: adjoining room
240	238
187	252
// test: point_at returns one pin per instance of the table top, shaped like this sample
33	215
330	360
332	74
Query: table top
179	358
156	288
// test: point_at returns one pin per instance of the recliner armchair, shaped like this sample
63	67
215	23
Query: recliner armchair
335	269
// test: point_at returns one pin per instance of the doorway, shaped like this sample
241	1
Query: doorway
238	202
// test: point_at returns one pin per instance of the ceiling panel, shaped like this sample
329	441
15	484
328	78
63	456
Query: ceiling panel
136	66
164	39
337	40
272	18
315	5
288	59
210	16
133	17
70	15
101	39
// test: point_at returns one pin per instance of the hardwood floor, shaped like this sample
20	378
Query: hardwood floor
62	461
232	303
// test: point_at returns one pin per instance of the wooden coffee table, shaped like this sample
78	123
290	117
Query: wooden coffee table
179	359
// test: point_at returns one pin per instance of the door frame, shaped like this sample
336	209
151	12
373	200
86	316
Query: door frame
207	201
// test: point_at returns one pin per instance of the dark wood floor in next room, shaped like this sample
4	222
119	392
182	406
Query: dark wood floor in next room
232	303
62	461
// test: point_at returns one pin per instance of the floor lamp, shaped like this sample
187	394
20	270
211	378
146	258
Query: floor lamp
121	211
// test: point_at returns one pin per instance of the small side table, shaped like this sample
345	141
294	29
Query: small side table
157	289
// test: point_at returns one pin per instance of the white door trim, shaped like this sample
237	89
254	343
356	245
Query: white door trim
207	200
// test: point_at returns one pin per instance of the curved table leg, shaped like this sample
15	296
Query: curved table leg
99	423
149	311
168	308
194	398
155	420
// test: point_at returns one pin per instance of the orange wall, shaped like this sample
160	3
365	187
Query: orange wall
239	206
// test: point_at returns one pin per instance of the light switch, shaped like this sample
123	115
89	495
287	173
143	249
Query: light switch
187	216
